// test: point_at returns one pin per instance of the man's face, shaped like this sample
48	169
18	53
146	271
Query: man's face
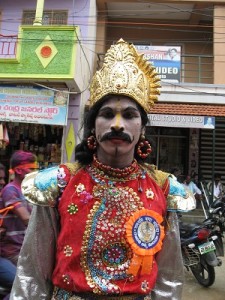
217	179
22	172
188	179
173	53
118	126
209	121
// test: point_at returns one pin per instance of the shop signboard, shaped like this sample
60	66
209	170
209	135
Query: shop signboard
182	121
33	105
166	59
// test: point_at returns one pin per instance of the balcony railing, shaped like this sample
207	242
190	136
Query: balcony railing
8	46
194	68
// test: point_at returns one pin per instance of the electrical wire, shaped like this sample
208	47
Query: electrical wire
131	24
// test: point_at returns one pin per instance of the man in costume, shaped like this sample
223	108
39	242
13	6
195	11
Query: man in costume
84	239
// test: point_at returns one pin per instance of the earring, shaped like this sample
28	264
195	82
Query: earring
144	148
91	142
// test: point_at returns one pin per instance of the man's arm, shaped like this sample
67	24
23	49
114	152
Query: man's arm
22	213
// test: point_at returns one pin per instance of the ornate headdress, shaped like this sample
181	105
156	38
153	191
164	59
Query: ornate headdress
125	72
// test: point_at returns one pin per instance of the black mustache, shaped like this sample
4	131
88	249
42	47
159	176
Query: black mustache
116	135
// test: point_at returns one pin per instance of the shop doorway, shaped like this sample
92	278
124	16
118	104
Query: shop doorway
170	148
43	140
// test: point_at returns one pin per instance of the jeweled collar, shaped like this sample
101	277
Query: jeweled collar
101	170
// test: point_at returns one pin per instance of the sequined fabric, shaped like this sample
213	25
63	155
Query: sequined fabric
95	255
60	294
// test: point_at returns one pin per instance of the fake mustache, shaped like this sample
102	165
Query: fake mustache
116	135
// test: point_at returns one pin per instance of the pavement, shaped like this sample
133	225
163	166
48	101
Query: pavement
194	291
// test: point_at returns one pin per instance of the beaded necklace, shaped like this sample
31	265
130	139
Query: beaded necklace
104	172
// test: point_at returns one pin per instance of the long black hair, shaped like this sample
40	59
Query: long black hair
82	153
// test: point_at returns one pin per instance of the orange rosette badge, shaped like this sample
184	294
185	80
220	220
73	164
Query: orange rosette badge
145	235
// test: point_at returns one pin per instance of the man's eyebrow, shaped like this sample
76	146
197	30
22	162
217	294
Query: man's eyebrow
105	109
131	108
113	108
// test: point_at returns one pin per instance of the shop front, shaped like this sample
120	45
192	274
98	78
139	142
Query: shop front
175	141
32	119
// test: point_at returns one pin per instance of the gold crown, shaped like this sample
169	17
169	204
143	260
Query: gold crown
125	72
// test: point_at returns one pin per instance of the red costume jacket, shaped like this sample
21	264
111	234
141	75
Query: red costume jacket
110	232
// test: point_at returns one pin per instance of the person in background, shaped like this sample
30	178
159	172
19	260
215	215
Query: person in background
209	123
172	54
111	241
7	268
175	172
218	189
188	183
18	214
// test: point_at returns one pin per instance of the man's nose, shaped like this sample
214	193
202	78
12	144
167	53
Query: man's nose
117	123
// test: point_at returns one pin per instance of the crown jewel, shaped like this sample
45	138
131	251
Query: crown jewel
125	72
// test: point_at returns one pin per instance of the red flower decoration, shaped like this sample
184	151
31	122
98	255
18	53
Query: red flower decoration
46	51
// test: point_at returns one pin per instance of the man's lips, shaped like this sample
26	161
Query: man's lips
117	140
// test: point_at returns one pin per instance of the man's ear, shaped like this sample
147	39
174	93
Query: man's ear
18	171
143	130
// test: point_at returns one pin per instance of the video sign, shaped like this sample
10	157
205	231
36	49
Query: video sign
166	60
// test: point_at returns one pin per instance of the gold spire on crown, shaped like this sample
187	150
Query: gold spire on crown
125	72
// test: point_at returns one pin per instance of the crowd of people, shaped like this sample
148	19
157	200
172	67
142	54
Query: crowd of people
105	226
214	187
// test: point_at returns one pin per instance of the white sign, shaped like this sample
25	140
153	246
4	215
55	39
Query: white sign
182	121
166	60
33	105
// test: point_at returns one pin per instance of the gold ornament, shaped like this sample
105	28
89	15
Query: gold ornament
125	72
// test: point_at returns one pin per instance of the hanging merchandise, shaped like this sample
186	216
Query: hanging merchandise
42	140
4	137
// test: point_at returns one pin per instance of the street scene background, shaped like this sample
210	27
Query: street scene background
193	290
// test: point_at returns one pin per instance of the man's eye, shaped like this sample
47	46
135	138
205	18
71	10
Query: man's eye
107	115
129	115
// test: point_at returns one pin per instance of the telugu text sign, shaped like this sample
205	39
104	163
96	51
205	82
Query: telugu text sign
33	105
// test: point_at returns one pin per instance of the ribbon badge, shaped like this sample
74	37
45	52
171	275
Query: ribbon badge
145	235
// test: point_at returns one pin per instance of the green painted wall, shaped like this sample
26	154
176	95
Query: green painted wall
27	64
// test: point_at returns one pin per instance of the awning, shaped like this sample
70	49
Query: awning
189	109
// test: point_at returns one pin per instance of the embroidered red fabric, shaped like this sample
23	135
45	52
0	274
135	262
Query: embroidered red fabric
93	253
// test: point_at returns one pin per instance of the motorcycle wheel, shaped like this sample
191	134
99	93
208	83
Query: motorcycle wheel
204	273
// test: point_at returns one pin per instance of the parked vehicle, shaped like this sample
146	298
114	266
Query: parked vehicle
215	221
199	252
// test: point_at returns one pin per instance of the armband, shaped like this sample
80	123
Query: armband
41	187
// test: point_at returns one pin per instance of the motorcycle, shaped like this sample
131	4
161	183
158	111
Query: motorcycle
199	252
215	221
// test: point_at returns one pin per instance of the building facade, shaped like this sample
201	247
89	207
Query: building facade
187	125
50	49
46	62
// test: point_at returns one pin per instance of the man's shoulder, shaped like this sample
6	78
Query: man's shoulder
10	188
158	175
73	167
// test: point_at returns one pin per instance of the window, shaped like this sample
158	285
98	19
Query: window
50	17
169	147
